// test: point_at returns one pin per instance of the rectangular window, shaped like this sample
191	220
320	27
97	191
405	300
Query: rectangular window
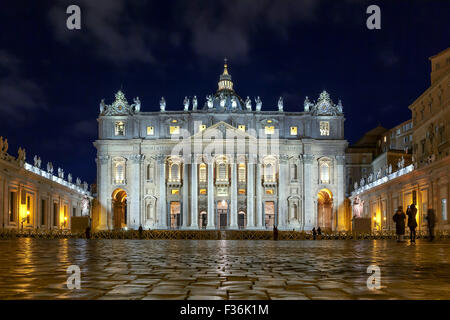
28	208
324	128
174	129
241	172
269	191
43	211
120	128
175	191
202	191
241	191
150	131
74	212
241	127
293	131
269	130
444	209
55	214
12	206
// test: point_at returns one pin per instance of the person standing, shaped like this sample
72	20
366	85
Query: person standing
314	233
431	218
275	233
412	223
399	219
140	231
319	231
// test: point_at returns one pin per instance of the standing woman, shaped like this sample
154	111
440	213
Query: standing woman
399	219
412	223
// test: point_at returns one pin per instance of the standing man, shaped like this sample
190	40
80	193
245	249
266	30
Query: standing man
431	217
399	219
412	223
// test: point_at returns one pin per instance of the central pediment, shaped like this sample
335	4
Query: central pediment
222	130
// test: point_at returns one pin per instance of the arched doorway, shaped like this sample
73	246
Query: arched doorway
242	219
324	209
119	204
222	213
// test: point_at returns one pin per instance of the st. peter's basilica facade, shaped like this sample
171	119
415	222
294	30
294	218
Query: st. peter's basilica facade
226	164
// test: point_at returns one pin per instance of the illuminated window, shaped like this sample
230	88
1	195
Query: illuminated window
174	121
175	191
149	130
269	191
120	128
324	128
241	172
201	127
269	129
324	172
174	129
241	191
202	191
269	172
28	208
202	172
269	121
174	172
222	169
384	139
119	172
293	131
241	127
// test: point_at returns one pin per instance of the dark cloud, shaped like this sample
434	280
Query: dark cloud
18	94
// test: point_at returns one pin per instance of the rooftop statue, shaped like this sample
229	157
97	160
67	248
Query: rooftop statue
102	106
222	100
307	104
248	103
162	104
339	106
280	104
209	101
258	103
194	103
186	103
50	167
137	104
233	102
69	178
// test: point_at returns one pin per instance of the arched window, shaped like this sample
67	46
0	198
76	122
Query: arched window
174	173
293	171
202	172
242	172
324	172
222	169
149	172
269	172
119	170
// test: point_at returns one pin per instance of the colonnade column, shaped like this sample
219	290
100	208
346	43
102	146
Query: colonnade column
340	209
162	219
282	201
308	197
233	204
210	224
194	194
258	204
185	194
250	193
134	212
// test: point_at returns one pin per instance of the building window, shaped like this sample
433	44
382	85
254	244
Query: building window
324	128
269	129
293	131
269	191
28	208
55	214
222	170
174	172
241	191
120	128
150	131
324	172
150	172
74	212
202	172
269	172
202	127
384	139
241	127
12	206
175	191
43	211
444	209
241	172
119	172
174	130
202	191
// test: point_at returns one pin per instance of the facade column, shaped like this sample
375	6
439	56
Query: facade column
233	204
250	193
134	212
282	201
194	194
210	224
308	200
162	218
185	195
259	204
104	200
340	209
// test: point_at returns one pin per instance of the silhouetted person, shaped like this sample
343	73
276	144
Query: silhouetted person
88	232
412	223
319	231
275	233
314	233
399	219
140	231
431	218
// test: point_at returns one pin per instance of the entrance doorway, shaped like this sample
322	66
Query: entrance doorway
325	210
222	212
269	214
119	204
241	220
203	220
175	216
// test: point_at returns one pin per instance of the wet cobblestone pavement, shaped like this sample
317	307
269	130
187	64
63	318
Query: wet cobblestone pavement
184	269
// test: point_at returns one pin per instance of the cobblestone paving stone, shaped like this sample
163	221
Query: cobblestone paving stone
190	269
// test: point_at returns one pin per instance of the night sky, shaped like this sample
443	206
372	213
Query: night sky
52	79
